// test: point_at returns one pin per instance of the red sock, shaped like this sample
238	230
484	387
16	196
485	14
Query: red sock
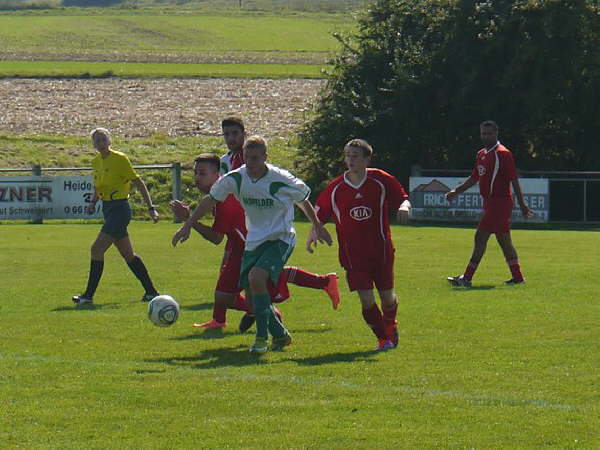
470	270
389	315
515	269
219	314
241	304
305	278
374	319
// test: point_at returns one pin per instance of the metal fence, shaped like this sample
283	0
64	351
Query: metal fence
38	171
574	195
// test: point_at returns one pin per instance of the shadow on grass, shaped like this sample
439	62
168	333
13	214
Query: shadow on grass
207	333
482	287
311	330
210	359
198	307
87	307
364	356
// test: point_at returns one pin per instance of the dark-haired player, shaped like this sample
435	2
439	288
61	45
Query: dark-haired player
495	171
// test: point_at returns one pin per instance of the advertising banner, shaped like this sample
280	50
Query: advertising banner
46	197
427	196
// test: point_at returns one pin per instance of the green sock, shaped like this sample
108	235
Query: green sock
262	311
276	328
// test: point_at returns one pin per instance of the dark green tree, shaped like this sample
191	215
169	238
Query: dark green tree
418	76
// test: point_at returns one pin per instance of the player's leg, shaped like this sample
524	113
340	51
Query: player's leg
259	266
137	266
98	249
389	309
261	303
223	301
511	257
479	246
227	292
373	318
304	278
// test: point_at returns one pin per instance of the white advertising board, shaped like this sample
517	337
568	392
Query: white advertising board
428	199
46	197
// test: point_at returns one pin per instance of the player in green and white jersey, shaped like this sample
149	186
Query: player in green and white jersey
267	194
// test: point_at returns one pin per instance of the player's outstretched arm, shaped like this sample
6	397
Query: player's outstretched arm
527	213
318	232
469	182
181	211
182	235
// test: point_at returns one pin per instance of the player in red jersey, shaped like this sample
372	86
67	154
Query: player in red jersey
359	203
495	171
234	134
229	220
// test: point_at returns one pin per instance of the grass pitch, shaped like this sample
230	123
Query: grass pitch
490	367
77	69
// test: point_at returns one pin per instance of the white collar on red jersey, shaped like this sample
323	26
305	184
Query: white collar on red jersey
355	186
493	148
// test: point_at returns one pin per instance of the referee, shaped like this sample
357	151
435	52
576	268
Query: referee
113	177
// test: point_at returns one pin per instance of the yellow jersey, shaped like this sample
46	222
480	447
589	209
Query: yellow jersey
113	175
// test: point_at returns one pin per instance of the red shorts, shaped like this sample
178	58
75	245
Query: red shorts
230	273
496	215
279	293
382	277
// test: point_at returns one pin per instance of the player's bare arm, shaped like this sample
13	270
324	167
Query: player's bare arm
318	232
527	213
181	211
183	233
139	184
403	213
469	182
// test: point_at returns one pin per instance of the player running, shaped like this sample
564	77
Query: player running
229	220
359	203
495	171
267	194
113	177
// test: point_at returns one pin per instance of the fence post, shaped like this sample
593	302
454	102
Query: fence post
176	182
36	216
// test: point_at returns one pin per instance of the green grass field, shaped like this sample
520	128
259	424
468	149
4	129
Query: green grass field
265	38
71	69
490	367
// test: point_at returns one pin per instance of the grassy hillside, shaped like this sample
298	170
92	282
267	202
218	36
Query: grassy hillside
68	151
185	5
171	38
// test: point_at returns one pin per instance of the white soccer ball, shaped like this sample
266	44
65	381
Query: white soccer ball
163	311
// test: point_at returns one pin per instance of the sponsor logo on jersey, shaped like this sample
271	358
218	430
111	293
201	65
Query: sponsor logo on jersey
481	170
358	195
259	202
361	213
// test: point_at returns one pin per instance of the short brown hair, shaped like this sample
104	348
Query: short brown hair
209	158
366	148
256	142
489	123
233	121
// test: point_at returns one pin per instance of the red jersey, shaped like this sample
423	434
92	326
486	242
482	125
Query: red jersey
361	217
494	169
231	221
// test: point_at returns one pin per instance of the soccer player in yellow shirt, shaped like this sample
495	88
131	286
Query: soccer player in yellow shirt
113	178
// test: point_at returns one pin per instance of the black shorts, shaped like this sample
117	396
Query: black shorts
117	215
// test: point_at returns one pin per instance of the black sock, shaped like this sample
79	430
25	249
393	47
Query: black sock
96	268
139	270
